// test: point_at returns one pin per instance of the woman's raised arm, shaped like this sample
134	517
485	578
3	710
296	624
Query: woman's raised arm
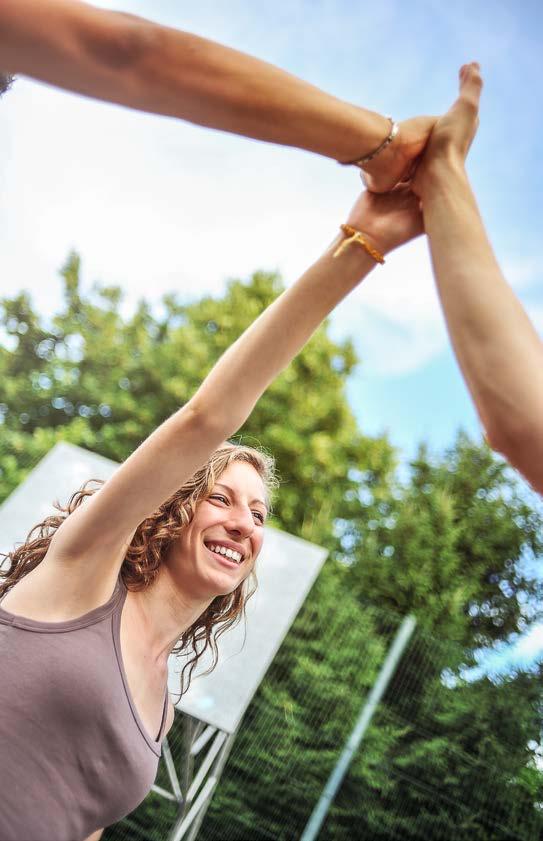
97	532
134	62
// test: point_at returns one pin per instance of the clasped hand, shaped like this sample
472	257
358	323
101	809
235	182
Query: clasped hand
394	218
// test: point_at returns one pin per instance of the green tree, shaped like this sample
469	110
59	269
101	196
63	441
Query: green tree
453	548
450	545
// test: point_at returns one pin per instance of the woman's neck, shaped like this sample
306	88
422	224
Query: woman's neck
163	613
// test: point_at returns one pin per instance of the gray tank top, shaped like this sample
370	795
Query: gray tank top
74	754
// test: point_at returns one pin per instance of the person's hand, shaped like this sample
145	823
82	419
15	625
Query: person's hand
388	219
396	163
453	133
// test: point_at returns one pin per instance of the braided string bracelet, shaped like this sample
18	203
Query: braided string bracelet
357	236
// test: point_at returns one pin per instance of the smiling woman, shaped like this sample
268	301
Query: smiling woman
157	559
202	518
185	577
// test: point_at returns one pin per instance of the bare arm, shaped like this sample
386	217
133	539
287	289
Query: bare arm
96	534
216	411
498	349
134	62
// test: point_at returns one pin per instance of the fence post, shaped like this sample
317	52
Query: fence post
352	744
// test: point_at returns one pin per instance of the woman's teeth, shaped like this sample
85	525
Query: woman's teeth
228	553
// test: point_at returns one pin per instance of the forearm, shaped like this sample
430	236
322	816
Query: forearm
184	442
498	349
139	64
243	373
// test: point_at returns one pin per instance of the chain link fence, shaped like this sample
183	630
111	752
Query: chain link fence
444	757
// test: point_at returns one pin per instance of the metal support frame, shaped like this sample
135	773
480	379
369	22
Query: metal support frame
176	794
191	790
192	821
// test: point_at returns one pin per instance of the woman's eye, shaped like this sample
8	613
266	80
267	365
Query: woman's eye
220	498
259	516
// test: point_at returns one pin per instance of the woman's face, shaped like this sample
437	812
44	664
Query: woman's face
219	547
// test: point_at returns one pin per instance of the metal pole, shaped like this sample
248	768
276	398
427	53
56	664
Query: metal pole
217	771
352	744
189	730
218	742
172	773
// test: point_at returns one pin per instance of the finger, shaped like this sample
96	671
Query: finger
471	83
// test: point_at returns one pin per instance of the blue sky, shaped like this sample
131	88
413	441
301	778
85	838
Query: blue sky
129	191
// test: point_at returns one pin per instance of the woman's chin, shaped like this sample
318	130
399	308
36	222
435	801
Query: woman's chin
218	584
222	576
224	589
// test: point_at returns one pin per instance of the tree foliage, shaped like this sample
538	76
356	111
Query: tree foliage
451	545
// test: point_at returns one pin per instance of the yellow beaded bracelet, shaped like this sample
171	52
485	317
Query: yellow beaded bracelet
357	236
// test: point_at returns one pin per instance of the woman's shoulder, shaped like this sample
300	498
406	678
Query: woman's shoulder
47	595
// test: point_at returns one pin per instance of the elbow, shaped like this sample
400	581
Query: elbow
521	445
216	423
512	439
495	439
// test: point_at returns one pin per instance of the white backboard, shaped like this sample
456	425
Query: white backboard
286	570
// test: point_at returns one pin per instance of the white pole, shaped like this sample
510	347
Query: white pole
352	744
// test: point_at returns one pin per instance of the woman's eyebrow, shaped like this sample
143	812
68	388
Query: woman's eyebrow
233	493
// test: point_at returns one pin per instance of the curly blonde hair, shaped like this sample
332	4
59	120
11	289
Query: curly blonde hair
149	544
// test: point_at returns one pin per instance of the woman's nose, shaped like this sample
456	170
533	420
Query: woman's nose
241	522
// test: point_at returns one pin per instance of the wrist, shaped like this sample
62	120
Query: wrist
353	260
369	129
440	173
379	237
382	241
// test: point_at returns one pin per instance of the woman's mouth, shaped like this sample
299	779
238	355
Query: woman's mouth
224	554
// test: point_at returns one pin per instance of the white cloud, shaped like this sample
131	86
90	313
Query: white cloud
156	205
151	203
394	316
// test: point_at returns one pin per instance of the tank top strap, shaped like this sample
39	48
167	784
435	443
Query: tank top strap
119	594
